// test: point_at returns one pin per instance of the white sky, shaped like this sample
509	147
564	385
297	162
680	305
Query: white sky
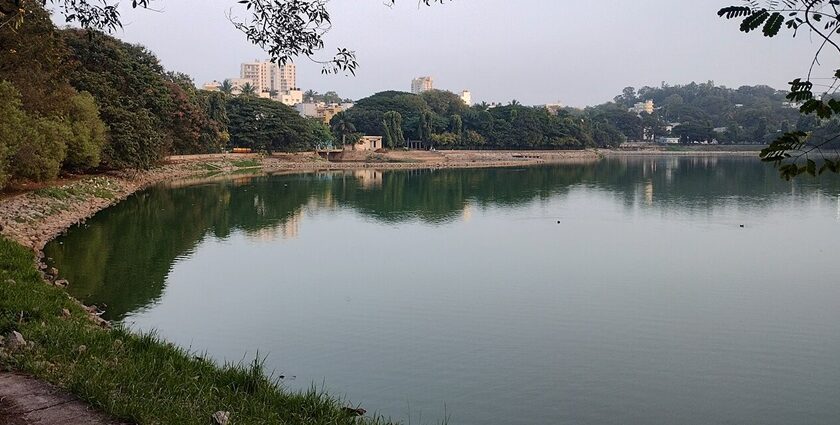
536	51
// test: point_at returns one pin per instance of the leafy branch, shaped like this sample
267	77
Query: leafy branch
794	152
285	29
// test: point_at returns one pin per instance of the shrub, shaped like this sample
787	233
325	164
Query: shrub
84	147
40	149
12	125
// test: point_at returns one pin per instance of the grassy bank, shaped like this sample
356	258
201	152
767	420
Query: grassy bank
138	378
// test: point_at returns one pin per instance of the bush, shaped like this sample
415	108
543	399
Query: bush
41	150
84	147
12	125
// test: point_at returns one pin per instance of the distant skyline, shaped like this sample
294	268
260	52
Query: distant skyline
533	51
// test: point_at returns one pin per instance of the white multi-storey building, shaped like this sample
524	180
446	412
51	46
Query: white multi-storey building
466	96
269	77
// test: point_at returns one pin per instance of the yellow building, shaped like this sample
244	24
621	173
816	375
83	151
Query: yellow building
320	110
366	143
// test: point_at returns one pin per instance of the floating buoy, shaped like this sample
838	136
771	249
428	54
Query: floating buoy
742	226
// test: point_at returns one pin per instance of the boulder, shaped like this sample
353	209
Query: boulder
14	340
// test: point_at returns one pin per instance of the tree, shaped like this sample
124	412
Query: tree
797	152
368	114
248	89
266	125
456	127
84	147
324	138
33	57
132	93
424	129
444	103
285	29
13	125
342	127
331	97
226	87
392	123
42	152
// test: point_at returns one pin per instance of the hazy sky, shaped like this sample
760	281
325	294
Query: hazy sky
536	51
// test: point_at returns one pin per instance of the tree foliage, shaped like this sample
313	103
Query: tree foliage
798	152
439	118
88	133
749	114
266	125
285	29
392	126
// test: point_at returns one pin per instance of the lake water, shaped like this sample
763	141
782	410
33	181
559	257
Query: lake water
618	292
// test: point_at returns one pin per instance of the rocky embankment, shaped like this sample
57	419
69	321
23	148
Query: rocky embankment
35	217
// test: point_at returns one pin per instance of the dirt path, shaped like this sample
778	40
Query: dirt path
26	401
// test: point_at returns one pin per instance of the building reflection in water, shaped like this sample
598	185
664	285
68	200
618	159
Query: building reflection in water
368	179
284	230
467	213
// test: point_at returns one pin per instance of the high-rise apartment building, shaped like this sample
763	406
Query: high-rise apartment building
270	77
421	84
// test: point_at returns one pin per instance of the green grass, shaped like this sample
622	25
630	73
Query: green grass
246	163
138	378
379	158
96	187
206	166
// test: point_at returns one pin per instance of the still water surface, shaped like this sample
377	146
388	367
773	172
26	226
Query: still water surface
617	292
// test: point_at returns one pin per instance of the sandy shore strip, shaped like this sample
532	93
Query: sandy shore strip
34	215
653	152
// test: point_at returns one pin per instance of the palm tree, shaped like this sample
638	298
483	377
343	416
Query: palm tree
342	127
310	95
226	87
247	89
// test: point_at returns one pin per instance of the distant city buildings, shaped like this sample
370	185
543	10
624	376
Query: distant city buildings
321	110
421	84
269	77
646	107
668	140
269	80
554	108
212	86
466	97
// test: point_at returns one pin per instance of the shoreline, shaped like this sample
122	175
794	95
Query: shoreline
614	153
34	217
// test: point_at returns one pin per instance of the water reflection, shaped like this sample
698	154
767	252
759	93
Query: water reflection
160	225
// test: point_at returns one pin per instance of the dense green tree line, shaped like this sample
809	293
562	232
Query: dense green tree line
693	112
74	101
441	119
746	115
